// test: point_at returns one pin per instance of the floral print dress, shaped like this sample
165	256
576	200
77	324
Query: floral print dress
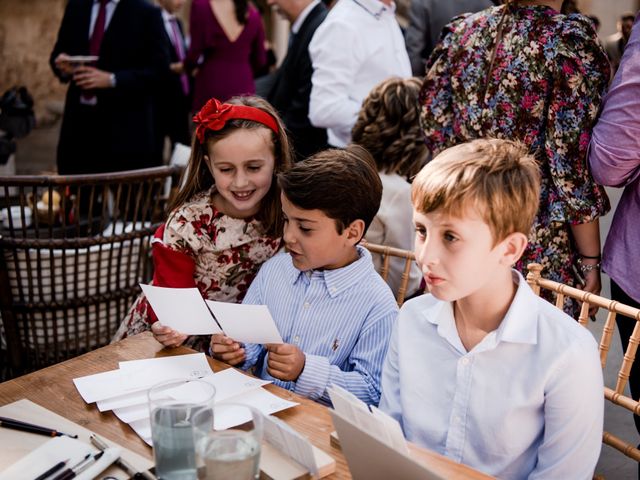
545	89
227	253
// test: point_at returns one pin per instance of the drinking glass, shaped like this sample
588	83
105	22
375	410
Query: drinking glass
177	407
233	453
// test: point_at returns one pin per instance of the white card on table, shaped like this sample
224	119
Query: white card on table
291	443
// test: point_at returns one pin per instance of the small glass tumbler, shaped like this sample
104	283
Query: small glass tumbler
177	407
233	453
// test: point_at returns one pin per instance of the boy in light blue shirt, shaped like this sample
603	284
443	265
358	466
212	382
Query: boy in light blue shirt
482	370
334	312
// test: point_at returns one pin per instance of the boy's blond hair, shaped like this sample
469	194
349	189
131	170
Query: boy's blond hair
497	178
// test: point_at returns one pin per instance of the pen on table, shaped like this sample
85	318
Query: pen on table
30	427
78	467
121	462
53	469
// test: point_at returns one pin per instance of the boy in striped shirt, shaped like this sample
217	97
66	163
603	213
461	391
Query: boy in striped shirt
334	312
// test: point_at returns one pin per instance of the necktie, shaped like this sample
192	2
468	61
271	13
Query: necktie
98	29
88	98
177	44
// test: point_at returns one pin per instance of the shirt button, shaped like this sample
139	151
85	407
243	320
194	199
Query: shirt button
306	305
456	419
296	339
465	361
332	289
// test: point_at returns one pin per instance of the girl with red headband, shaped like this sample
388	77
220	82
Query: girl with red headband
226	219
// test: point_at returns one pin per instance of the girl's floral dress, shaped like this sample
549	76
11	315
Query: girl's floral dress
545	89
227	253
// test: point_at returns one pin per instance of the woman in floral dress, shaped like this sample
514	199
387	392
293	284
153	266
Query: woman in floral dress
523	71
227	220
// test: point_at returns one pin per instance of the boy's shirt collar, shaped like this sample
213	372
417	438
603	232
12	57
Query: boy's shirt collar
336	280
520	324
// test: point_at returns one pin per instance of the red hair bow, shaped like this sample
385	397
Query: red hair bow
215	115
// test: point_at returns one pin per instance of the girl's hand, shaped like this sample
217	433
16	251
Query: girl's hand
167	336
226	349
285	361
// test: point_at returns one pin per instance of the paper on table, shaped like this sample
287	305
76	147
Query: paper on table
193	365
122	401
140	376
142	428
291	443
246	323
181	309
228	383
259	398
375	422
46	456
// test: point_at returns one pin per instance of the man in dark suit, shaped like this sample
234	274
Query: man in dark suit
175	99
109	121
289	87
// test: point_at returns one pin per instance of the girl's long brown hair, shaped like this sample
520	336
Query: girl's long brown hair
199	176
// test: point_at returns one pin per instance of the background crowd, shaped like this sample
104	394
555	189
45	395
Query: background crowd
530	71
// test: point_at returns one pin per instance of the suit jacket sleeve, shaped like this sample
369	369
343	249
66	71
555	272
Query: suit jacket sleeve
64	41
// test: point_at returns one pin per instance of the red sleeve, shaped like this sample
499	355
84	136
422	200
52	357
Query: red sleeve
171	268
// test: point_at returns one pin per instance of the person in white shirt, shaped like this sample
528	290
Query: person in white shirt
481	369
388	128
357	46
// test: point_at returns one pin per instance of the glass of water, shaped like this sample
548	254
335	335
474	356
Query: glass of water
231	453
177	407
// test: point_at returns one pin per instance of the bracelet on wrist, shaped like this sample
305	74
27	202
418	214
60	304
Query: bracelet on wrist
597	257
586	268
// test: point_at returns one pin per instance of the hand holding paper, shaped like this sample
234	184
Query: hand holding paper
185	311
167	336
227	349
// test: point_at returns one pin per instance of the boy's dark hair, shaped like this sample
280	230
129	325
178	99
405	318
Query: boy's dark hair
344	184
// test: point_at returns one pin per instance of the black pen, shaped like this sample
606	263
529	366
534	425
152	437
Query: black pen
53	469
30	427
77	468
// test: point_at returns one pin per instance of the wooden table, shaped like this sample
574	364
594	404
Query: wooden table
53	389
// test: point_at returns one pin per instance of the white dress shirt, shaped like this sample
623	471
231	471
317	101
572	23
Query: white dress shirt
393	226
357	46
110	9
297	24
526	402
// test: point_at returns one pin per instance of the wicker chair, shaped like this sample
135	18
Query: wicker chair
387	253
73	250
614	395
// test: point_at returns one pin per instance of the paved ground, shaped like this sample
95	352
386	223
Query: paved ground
36	154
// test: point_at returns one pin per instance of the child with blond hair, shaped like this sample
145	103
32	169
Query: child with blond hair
481	369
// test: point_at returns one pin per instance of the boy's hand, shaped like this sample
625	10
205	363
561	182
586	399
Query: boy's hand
167	336
285	361
226	349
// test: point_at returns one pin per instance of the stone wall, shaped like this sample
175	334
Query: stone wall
28	30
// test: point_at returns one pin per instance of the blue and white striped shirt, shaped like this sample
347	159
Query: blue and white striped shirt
341	319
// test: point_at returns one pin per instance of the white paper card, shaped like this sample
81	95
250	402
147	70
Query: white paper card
291	443
181	309
246	323
123	401
140	375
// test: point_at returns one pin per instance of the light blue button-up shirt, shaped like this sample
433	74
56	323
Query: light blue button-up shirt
526	402
341	319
